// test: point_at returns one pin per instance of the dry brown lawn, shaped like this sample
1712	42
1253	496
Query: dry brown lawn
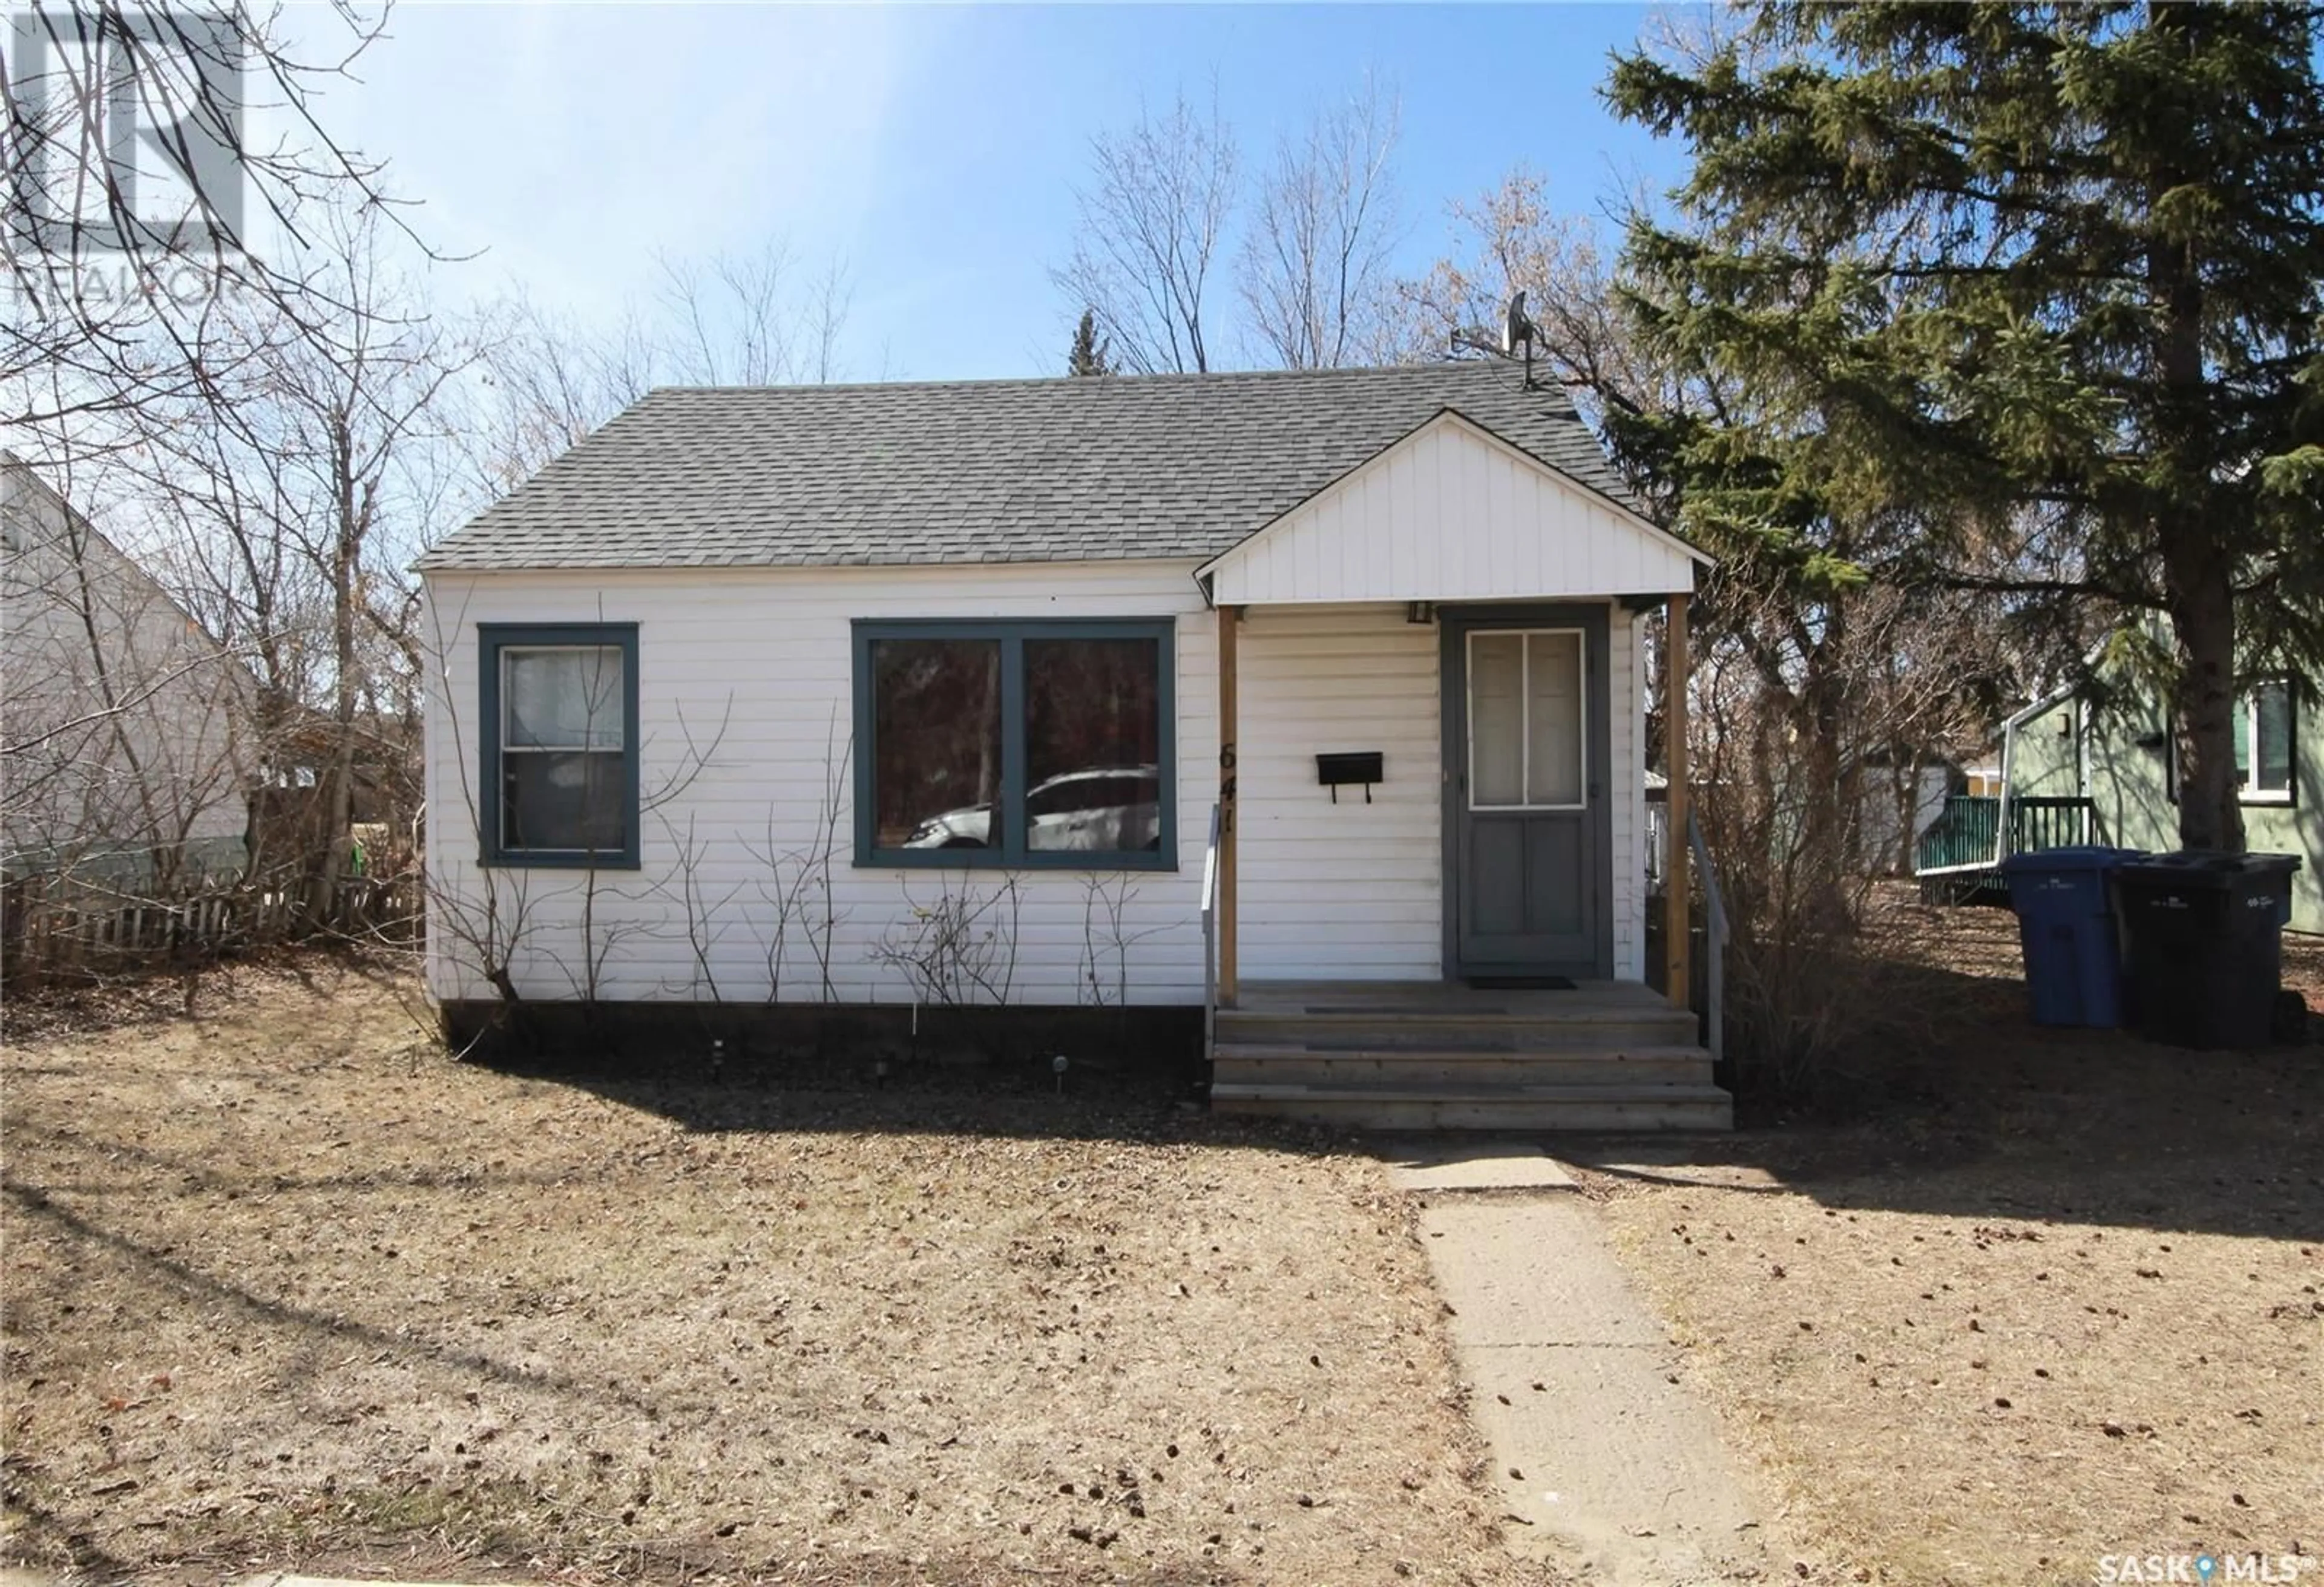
2059	1295
286	1287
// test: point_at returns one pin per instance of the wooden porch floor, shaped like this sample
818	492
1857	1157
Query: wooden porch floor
1586	1000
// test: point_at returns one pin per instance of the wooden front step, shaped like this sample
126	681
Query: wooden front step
1425	1056
1376	1066
1529	1107
1348	1026
1416	1015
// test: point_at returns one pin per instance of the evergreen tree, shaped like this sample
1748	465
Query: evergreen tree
1091	353
2041	275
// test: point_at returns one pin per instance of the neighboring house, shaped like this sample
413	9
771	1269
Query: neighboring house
124	723
986	634
2120	756
1894	794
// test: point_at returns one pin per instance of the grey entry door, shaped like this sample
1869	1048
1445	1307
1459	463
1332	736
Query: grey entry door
1525	705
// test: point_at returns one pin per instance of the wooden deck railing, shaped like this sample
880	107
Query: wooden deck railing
1967	836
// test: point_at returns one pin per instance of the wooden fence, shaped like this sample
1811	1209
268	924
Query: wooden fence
60	929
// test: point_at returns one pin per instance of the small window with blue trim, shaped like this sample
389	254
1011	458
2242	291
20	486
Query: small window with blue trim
560	744
1044	745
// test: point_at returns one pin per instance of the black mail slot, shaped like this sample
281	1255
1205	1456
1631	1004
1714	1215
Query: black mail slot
1362	766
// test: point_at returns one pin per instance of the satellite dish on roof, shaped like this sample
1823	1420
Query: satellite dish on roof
1515	328
1517	331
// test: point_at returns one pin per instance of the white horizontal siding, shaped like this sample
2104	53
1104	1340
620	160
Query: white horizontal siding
1448	513
1348	889
753	668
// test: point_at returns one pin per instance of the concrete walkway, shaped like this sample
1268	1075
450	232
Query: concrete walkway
1607	1466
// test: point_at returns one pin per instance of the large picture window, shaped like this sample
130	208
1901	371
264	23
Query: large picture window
560	751
1014	744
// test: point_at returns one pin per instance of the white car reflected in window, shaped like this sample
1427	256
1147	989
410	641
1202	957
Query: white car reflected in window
1102	810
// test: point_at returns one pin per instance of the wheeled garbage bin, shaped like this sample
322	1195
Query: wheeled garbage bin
2206	944
2066	925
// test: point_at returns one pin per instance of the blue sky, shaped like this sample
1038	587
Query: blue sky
933	148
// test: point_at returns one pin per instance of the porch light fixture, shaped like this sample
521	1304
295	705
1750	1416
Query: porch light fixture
1420	612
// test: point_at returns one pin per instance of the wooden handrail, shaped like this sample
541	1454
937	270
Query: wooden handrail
1715	942
1210	939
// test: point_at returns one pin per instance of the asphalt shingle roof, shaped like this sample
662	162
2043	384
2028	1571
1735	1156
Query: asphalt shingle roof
988	470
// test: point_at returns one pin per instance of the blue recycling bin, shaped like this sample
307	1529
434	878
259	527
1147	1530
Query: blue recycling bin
2066	925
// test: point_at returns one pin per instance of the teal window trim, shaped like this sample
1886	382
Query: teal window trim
492	639
1011	635
2245	749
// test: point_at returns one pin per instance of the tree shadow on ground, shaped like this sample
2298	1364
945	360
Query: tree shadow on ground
161	993
1127	1108
1957	1102
1952	1101
1132	1075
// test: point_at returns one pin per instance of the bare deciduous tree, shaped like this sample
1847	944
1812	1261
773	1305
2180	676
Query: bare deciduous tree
1313	273
749	319
298	522
1152	219
1512	240
141	204
545	380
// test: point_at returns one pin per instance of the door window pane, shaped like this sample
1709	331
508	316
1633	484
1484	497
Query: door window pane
1525	720
1554	719
935	742
1093	745
1496	719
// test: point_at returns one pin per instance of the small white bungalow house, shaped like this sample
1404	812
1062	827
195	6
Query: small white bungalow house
925	693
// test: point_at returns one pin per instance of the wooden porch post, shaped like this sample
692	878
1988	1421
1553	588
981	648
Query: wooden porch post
1230	619
1678	925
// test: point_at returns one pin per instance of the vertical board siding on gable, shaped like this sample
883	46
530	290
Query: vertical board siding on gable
755	668
1348	890
1452	515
